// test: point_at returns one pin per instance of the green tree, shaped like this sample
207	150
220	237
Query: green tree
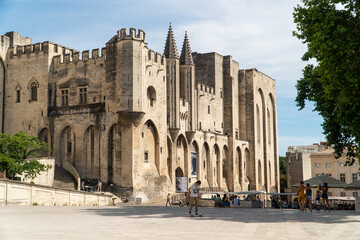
282	163
331	30
19	153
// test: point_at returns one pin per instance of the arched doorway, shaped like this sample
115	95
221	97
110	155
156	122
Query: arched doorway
150	144
239	163
195	166
179	172
44	136
225	167
67	146
247	167
91	152
217	173
114	154
205	161
181	153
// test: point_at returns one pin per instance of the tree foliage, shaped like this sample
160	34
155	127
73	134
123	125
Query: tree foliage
282	164
331	30
19	153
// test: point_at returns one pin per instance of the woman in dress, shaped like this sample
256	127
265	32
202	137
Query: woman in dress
324	196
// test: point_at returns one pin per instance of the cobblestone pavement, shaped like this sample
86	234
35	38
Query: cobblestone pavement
139	222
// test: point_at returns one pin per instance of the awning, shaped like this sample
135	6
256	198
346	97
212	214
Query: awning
321	179
355	184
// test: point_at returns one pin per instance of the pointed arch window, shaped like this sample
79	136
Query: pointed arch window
18	93
33	91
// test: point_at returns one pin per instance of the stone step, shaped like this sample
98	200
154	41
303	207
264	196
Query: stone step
63	179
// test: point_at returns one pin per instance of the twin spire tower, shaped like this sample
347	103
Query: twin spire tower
180	73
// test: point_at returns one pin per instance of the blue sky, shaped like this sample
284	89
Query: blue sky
257	33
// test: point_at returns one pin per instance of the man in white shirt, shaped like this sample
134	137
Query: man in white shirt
194	193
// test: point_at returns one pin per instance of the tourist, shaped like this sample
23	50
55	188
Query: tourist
225	201
308	197
194	193
236	201
318	200
324	196
168	200
83	185
99	185
301	195
217	201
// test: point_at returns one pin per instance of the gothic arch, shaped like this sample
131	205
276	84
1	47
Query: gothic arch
182	152
217	175
91	156
114	156
225	165
274	145
150	144
151	94
239	165
205	162
247	168
179	172
33	87
264	136
169	157
45	137
195	160
67	146
258	124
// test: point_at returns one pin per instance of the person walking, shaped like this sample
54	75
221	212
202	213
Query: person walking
194	193
99	185
318	200
168	200
325	196
301	195
308	197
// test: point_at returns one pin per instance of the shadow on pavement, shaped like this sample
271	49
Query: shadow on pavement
244	215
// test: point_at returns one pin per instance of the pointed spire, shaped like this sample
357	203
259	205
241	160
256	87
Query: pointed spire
170	45
186	56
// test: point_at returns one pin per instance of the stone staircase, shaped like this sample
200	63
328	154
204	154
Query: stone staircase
63	179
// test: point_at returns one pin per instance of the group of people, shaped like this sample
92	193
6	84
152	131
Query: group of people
305	196
88	185
224	202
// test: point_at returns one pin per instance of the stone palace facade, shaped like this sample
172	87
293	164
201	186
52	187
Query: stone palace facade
137	119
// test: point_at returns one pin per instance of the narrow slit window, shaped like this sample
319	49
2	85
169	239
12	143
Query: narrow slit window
18	95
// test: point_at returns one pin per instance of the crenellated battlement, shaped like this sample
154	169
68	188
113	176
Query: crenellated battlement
75	56
18	51
155	57
44	47
131	35
202	89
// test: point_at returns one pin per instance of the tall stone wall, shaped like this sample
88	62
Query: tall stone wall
133	118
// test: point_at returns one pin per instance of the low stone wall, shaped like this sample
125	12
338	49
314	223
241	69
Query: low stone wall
45	178
20	193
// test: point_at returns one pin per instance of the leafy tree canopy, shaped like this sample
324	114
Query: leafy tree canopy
19	153
331	30
282	164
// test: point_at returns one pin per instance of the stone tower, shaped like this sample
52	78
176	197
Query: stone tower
173	83
187	81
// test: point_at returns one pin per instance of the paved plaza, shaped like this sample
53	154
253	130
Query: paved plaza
149	222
